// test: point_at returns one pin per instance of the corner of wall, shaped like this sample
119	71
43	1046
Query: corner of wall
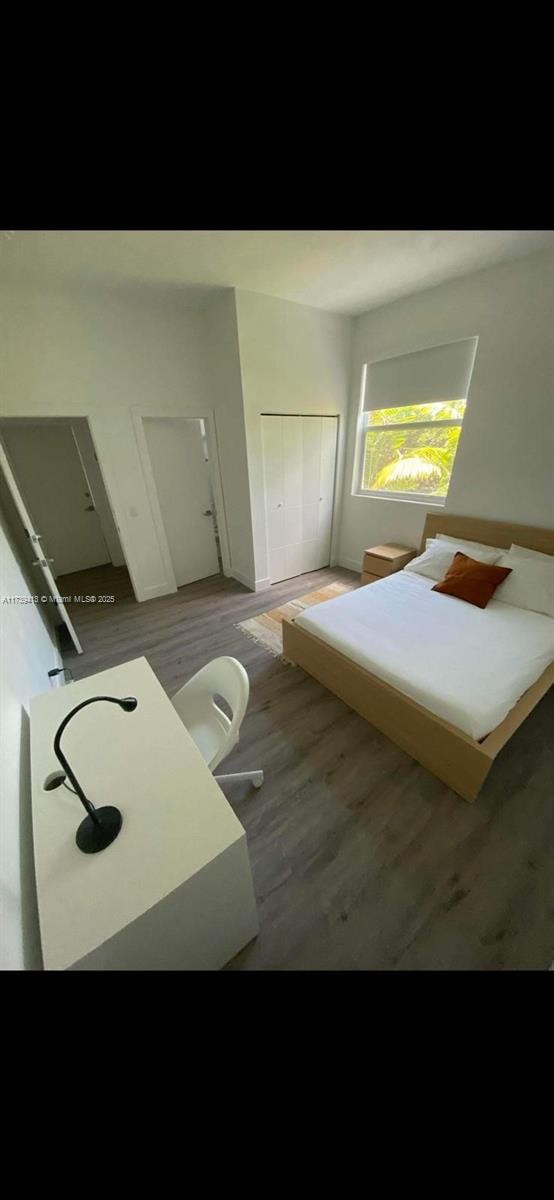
227	401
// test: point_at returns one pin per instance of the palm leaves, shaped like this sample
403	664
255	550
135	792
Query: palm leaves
404	460
407	473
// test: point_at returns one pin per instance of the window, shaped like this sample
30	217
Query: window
411	411
409	452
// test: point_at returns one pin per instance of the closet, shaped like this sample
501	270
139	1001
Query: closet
299	468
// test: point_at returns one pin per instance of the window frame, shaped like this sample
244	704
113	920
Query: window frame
362	429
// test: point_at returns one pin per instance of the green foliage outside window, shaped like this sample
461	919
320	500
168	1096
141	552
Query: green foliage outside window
411	460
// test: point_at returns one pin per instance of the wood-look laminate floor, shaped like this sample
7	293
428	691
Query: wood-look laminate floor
361	859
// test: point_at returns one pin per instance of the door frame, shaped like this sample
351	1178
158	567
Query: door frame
139	415
31	496
35	539
67	419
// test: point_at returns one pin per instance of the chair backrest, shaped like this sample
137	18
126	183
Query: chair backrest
225	677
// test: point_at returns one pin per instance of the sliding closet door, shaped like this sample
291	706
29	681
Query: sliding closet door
299	465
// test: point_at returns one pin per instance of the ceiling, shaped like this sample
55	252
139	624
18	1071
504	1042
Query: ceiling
348	270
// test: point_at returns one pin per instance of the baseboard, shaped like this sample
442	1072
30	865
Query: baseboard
246	580
253	585
350	564
150	593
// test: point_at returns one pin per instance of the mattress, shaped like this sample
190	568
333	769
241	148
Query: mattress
465	664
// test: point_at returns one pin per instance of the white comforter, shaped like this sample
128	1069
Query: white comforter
467	665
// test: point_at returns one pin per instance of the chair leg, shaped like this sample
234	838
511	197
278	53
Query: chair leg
257	777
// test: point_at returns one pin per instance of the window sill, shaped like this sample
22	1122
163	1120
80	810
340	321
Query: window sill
434	501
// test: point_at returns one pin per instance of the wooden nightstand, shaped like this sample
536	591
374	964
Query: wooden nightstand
385	560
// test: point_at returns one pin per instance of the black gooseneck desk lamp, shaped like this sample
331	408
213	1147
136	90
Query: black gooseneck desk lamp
101	827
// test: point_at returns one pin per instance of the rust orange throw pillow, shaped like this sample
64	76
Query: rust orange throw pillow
471	580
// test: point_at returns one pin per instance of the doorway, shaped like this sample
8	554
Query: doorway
50	470
179	459
50	473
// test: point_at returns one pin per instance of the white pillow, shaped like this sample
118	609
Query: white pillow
438	557
530	584
488	554
524	552
434	562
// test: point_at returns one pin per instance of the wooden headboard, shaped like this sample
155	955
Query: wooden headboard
491	533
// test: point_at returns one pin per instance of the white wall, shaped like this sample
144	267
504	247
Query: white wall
504	464
28	652
293	359
101	354
223	379
78	352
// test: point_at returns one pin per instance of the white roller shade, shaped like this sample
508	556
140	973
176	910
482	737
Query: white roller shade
425	377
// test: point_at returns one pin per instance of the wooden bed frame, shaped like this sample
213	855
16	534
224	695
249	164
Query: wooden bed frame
452	755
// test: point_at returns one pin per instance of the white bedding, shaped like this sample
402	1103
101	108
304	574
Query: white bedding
467	665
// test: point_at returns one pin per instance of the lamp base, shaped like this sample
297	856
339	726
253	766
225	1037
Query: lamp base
91	837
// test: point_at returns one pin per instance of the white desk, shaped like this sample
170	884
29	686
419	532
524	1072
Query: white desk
174	891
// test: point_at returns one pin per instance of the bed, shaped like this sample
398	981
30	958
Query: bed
455	708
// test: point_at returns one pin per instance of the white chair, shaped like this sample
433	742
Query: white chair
214	734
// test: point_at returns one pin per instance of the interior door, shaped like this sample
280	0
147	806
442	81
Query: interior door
181	475
299	466
41	562
48	469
